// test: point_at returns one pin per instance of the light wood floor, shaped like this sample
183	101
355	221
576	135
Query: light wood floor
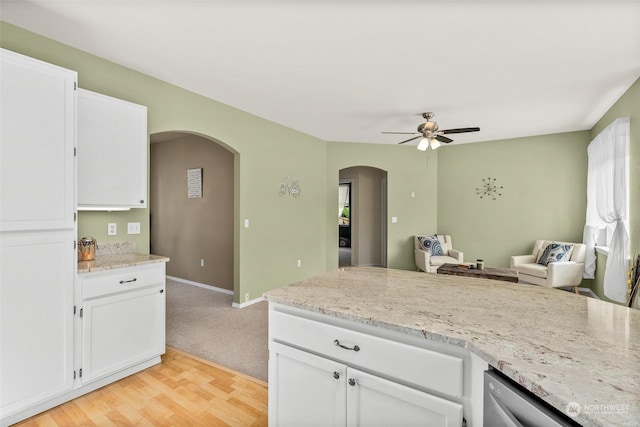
181	391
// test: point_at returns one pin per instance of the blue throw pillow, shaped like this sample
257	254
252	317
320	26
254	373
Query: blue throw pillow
556	252
431	245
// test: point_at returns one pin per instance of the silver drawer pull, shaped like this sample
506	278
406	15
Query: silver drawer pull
354	348
128	281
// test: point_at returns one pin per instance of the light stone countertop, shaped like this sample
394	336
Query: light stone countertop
118	260
561	346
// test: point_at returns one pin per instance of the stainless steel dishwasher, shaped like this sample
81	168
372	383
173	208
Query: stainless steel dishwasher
507	404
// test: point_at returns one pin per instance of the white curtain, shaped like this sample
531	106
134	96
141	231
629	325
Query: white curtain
607	205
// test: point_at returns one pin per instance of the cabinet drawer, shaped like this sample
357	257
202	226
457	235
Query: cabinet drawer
422	367
121	280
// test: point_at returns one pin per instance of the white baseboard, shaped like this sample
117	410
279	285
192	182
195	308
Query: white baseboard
247	303
217	289
201	285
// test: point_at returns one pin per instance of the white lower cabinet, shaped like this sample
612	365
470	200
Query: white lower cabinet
50	358
314	391
123	319
120	331
323	373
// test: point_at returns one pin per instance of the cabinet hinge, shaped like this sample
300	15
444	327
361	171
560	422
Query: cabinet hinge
81	314
74	375
464	422
75	216
80	372
74	244
75	151
74	310
75	86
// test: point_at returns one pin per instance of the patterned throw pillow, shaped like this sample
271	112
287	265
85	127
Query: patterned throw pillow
556	252
431	245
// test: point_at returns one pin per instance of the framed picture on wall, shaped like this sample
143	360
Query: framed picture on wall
194	183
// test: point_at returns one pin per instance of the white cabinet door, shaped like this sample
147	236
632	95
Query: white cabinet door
309	390
373	401
122	330
112	152
305	389
37	138
36	317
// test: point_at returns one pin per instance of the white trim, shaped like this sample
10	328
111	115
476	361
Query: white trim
604	250
247	303
201	285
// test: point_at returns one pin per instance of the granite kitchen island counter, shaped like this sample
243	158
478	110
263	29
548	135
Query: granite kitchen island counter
565	348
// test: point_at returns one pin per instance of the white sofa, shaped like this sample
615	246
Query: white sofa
426	262
555	274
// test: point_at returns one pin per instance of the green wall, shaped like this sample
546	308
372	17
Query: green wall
544	194
282	229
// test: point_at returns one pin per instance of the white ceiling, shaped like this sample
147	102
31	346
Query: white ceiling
348	70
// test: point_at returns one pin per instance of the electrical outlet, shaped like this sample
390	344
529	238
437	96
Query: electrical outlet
246	297
202	262
112	229
299	263
133	228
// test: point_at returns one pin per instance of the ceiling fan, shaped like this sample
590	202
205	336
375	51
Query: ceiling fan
431	136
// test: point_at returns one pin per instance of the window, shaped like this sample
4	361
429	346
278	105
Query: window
608	206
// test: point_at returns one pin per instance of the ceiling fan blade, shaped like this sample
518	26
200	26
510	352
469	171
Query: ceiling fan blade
410	139
444	139
402	133
459	130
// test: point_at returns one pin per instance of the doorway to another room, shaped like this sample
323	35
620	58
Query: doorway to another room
192	208
362	217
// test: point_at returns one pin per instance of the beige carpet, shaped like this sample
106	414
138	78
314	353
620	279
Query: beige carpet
203	323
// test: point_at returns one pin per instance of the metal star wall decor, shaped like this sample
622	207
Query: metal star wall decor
489	188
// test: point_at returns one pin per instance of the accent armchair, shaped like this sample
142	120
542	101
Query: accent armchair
552	264
433	251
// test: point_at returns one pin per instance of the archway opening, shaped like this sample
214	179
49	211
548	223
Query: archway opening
367	216
192	208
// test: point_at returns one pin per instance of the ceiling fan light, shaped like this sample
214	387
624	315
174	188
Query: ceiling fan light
435	144
423	144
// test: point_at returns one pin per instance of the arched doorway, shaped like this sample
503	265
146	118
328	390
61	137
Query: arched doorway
192	223
367	216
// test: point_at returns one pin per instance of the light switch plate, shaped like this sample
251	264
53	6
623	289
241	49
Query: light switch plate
133	228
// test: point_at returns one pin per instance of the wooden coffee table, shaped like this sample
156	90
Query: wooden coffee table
504	274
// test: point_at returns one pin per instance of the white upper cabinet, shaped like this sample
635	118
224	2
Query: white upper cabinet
37	138
112	153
